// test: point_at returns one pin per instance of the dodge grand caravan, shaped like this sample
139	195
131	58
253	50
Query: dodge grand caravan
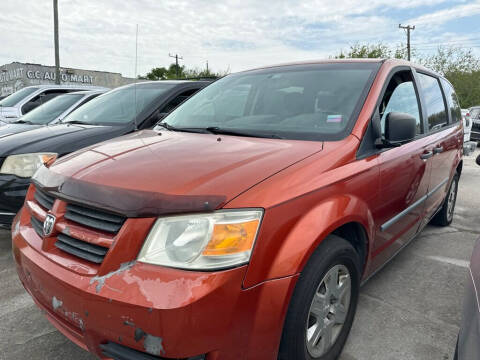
243	226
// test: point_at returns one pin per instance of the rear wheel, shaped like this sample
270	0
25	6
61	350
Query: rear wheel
323	304
445	216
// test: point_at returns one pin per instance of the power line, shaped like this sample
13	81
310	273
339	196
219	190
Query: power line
176	63
408	28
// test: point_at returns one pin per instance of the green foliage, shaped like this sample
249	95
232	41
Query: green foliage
380	51
461	67
451	60
162	73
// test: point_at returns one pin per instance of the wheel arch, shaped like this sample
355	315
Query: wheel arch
344	215
356	234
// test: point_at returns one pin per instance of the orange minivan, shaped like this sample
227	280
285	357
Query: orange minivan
243	226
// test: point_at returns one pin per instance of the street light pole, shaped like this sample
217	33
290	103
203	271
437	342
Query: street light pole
55	30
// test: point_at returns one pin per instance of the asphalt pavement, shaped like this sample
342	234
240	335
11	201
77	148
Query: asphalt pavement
410	310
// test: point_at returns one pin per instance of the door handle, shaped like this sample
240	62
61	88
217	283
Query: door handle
438	150
426	155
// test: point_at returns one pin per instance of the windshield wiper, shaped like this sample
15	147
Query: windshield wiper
77	122
174	128
23	122
222	131
217	131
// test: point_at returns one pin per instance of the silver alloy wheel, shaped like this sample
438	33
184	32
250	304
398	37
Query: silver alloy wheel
328	311
451	200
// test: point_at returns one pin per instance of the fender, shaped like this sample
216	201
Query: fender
285	248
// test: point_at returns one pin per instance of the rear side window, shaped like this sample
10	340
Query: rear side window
178	100
436	113
452	101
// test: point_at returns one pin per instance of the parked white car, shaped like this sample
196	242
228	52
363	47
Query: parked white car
468	146
475	117
28	98
467	124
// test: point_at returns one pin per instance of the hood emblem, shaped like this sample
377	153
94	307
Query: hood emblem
48	224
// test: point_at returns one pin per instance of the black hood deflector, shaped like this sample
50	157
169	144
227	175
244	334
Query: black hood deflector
130	203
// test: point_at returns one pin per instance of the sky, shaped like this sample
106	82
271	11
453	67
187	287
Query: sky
230	35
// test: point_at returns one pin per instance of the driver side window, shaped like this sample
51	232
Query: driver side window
400	96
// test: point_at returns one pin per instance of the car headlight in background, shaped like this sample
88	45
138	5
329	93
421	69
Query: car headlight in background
25	165
203	242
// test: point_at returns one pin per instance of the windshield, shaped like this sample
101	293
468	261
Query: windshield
51	110
118	106
306	102
18	96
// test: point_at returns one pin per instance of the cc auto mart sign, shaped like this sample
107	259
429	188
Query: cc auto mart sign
44	75
50	75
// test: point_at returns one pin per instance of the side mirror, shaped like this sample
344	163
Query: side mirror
400	128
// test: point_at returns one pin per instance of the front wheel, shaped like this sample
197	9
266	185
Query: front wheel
323	304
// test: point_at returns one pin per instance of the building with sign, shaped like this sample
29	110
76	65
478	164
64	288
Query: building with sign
15	76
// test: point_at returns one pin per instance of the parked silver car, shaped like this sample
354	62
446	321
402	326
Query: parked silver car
49	113
29	98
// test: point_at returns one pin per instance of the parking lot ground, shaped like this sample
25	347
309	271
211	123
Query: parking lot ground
411	309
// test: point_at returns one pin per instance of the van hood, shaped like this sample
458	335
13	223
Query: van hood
61	139
148	173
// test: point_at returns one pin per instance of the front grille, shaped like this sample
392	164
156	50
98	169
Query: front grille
79	216
45	200
95	219
476	126
37	225
82	249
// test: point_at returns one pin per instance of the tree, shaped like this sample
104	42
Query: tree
451	60
462	68
379	50
162	73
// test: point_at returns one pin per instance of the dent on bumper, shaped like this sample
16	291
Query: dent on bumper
161	311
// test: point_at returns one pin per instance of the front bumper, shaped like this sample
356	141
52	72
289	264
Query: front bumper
12	195
166	312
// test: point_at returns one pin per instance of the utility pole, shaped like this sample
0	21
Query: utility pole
176	63
55	36
408	28
207	68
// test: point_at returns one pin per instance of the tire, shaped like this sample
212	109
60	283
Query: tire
335	258
445	216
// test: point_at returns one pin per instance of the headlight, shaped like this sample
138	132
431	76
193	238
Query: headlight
202	242
25	165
